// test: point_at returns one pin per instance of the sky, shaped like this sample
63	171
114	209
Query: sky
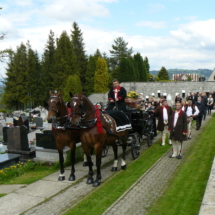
171	33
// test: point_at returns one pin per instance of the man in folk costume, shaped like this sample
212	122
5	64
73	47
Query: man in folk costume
192	112
116	97
163	113
178	130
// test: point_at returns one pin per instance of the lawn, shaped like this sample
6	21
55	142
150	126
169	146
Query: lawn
105	195
186	189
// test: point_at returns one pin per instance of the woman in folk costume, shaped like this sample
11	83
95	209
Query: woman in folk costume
163	113
178	131
210	104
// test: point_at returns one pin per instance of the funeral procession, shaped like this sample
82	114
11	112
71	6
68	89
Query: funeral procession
107	107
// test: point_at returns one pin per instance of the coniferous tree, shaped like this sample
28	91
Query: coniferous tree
146	62
135	71
79	52
119	51
141	67
47	66
91	68
101	76
63	66
98	53
163	74
72	84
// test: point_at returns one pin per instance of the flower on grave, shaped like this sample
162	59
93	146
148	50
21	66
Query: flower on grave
132	94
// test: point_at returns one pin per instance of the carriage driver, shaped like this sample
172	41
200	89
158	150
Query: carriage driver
116	97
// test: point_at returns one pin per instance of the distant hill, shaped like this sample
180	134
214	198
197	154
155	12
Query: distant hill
205	72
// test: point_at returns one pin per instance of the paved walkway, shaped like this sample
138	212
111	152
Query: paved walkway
145	191
49	196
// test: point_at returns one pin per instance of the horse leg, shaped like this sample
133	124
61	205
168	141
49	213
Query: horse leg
90	174
72	160
85	160
61	160
123	163
98	165
115	150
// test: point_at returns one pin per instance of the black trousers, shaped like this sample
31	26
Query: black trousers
199	121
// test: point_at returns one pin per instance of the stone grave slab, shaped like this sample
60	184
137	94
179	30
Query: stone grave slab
4	130
46	140
38	121
2	124
9	119
7	160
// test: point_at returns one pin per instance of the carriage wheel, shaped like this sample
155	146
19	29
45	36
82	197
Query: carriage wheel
105	151
149	140
135	149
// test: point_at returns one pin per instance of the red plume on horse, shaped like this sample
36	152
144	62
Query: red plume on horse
97	129
58	114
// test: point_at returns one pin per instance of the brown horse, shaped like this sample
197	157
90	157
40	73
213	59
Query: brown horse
92	137
58	115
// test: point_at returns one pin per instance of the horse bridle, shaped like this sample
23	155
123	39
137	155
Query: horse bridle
56	111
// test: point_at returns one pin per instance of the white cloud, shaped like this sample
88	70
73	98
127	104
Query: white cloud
152	24
153	8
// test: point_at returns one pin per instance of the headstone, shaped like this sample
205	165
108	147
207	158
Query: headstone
18	138
5	135
2	124
21	121
38	121
9	120
46	140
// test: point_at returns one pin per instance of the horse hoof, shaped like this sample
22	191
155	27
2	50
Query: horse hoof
72	178
123	167
85	163
61	178
96	183
90	181
114	169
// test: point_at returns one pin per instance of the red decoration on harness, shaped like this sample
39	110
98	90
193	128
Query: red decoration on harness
69	111
98	121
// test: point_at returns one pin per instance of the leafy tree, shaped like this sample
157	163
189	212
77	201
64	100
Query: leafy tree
101	76
47	65
91	68
73	84
63	61
141	67
79	52
119	51
163	74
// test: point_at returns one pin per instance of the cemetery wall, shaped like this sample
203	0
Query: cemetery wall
147	88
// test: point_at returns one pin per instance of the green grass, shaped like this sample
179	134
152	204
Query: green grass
26	173
105	195
186	189
2	194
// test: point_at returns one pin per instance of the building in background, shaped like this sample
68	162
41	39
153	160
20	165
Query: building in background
185	77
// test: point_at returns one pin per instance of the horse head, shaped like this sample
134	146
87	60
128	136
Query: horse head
77	107
53	105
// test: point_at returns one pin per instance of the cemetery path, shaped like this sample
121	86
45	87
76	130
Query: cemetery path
51	197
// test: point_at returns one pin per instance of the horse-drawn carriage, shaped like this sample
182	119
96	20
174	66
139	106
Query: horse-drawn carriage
96	129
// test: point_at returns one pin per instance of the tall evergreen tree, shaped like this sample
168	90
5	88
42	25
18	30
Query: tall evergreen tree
64	59
91	68
163	74
141	67
146	62
119	51
79	51
98	53
136	75
101	76
47	64
73	84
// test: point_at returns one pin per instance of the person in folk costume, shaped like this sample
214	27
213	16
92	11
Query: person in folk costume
178	99
192	111
178	131
116	97
201	107
163	113
210	104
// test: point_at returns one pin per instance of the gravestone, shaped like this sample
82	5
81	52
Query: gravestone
46	140
18	138
5	134
2	124
38	121
9	120
18	142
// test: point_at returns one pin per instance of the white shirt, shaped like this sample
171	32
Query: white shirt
165	115
175	118
189	111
